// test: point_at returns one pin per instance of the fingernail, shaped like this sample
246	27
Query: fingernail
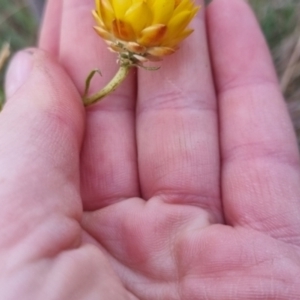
18	71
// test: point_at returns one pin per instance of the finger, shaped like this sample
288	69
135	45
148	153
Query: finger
109	170
260	175
41	130
177	127
50	31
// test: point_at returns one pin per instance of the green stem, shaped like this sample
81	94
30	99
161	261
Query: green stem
110	87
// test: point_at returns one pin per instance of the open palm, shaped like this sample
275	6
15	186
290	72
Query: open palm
182	184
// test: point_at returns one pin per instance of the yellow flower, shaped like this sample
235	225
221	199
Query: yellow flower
141	30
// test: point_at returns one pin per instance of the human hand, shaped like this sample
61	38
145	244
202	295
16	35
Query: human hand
173	190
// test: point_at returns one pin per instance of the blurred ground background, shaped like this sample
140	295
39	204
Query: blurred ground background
279	19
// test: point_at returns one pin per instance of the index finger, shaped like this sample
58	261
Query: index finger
50	31
177	127
108	160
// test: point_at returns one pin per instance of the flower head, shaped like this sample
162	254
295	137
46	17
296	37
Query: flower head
142	30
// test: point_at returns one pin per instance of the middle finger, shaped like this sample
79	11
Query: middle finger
178	128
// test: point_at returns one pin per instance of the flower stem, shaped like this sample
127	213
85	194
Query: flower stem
110	87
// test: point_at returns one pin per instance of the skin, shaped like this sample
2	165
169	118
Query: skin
182	184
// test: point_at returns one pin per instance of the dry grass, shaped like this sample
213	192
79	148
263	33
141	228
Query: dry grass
4	54
279	20
18	27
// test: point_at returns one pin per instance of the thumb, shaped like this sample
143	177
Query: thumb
41	128
18	72
37	88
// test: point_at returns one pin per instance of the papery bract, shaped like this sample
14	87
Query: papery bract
145	29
